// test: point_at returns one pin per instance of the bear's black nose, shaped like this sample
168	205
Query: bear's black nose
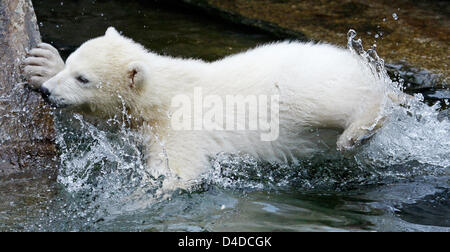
44	92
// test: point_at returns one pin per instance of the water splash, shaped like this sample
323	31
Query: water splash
415	141
373	61
105	164
414	132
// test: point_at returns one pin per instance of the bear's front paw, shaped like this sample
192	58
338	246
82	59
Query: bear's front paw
41	64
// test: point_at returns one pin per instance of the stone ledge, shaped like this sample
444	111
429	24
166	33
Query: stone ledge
418	38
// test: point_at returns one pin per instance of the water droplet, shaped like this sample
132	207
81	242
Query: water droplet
351	34
395	16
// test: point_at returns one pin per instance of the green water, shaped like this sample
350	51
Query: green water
322	194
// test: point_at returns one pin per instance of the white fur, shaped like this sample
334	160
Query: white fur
324	90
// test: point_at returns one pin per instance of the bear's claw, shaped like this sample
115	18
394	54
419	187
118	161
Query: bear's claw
41	64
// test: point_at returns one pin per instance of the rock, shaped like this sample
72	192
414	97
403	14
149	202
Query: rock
236	17
26	125
413	33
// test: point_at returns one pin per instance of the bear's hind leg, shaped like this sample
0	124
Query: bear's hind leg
357	132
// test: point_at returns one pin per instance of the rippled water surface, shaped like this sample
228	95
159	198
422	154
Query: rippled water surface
397	181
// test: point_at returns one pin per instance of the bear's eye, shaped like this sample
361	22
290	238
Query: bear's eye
82	79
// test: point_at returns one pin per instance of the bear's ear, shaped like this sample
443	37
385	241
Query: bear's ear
111	31
137	74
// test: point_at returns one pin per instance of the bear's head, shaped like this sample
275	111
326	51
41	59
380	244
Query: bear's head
102	75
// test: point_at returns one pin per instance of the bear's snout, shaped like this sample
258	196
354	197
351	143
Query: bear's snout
45	93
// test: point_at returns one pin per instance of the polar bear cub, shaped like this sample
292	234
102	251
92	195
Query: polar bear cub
321	96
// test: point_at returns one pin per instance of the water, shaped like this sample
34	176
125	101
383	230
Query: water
397	181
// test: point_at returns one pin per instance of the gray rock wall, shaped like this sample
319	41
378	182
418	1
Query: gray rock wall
26	125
